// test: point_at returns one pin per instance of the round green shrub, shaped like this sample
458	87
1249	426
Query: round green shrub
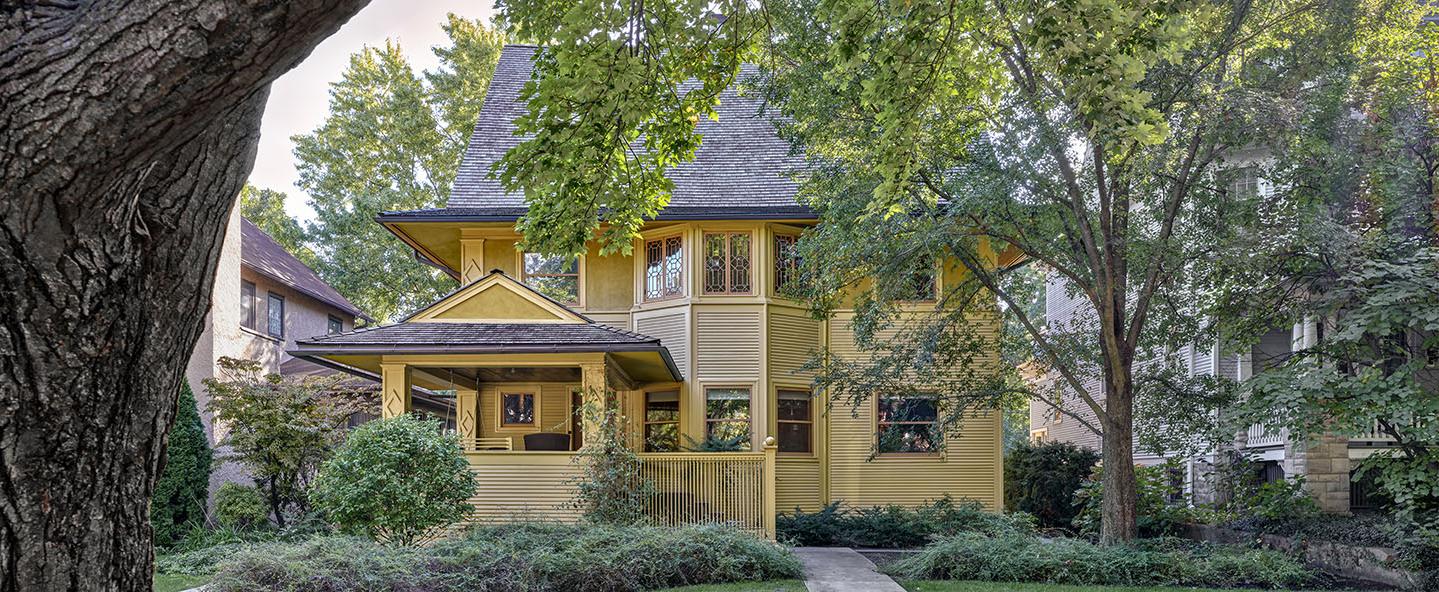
240	507
1041	479
178	503
395	480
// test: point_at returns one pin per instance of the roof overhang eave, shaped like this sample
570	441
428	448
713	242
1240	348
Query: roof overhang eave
315	352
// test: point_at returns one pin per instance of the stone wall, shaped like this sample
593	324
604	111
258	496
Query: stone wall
1324	463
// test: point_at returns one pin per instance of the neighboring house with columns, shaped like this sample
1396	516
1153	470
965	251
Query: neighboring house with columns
688	339
1326	463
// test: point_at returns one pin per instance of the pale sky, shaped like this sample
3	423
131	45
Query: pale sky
299	100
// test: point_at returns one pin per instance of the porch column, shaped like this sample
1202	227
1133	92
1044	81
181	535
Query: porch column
395	389
594	390
467	416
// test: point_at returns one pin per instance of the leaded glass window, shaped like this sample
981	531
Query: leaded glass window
727	263
664	268
786	261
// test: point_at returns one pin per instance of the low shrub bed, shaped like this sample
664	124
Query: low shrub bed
1160	562
514	558
894	527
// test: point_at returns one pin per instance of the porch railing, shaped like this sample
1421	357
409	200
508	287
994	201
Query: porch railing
481	444
1260	436
734	488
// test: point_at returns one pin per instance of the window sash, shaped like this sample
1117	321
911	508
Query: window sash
728	263
334	325
906	405
722	425
247	305
664	268
922	285
786	260
523	412
532	268
275	315
662	435
796	426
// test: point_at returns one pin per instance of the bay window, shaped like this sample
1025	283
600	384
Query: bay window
727	263
664	268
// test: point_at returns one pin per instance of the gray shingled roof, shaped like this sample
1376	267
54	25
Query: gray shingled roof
476	336
742	168
262	254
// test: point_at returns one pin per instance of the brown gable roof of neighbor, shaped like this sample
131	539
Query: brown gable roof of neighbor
742	169
266	257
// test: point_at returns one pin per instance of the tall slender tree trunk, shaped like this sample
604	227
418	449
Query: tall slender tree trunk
1119	516
126	130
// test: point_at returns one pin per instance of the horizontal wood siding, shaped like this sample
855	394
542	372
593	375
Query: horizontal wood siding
969	468
519	486
793	338
728	344
797	484
672	329
619	320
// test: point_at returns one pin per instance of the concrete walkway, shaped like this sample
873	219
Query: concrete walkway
841	569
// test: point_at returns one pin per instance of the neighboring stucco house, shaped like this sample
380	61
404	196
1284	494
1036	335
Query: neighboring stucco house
688	333
1325	463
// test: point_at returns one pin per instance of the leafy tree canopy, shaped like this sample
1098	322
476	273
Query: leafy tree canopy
266	209
392	141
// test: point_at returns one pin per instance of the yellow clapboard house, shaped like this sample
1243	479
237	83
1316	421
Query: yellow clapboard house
688	336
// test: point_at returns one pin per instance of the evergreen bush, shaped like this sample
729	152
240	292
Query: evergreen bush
894	526
395	480
240	507
182	491
1041	479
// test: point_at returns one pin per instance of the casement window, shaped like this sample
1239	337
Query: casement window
786	261
662	421
247	305
275	316
556	276
796	421
664	268
727	263
922	284
517	409
727	415
908	424
1244	183
334	325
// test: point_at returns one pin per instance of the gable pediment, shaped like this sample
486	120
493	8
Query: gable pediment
497	298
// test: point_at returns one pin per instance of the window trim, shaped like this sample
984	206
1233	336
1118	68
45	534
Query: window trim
644	267
705	420
337	321
645	422
813	445
937	453
728	254
270	299
579	276
252	299
526	389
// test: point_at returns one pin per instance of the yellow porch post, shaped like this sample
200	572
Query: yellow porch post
593	390
771	448
467	416
395	389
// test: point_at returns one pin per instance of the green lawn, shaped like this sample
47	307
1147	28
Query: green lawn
950	586
774	586
176	583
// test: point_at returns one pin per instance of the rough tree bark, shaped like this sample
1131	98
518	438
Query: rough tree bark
126	129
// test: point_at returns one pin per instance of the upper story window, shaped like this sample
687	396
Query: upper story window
727	416
786	260
247	304
1245	183
662	421
556	276
664	268
727	263
922	284
908	424
275	316
334	325
796	421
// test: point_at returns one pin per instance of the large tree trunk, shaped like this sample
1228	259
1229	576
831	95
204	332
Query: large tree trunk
126	130
1118	521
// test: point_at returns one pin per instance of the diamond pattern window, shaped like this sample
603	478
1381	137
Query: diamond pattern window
727	263
664	268
786	261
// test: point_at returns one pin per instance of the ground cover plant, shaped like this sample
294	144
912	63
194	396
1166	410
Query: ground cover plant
514	558
1155	562
894	526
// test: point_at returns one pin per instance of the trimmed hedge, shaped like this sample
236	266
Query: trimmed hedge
514	558
1159	562
893	526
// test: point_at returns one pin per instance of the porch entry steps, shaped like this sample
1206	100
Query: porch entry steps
841	569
